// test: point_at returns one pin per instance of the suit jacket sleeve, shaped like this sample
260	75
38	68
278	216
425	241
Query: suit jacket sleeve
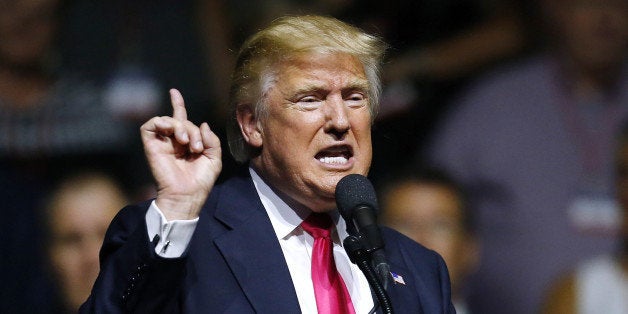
133	278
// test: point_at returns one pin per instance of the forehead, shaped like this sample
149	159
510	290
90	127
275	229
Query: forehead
433	198
94	202
334	68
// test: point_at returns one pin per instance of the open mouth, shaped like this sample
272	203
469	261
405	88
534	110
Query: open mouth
335	155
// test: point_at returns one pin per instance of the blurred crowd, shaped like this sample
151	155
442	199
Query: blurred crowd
500	141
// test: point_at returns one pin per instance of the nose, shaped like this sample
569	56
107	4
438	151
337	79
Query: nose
337	117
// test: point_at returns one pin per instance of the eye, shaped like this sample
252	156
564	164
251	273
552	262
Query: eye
69	239
309	102
356	100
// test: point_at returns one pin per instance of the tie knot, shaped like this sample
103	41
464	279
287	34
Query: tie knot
318	225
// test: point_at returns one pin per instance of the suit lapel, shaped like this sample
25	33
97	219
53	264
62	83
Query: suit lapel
403	296
253	253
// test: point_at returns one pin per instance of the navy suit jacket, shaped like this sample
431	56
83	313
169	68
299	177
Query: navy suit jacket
234	264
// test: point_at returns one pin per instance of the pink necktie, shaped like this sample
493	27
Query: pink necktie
331	293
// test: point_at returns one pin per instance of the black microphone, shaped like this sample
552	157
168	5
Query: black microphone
357	203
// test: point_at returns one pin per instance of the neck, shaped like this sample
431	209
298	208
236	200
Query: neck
291	202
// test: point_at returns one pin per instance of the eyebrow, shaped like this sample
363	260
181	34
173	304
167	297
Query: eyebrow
356	84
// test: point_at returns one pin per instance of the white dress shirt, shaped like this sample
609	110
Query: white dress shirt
296	245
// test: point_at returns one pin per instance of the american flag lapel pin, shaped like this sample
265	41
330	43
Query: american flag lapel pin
398	278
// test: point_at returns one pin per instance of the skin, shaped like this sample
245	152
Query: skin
432	215
591	36
27	31
594	31
27	28
185	160
317	106
78	219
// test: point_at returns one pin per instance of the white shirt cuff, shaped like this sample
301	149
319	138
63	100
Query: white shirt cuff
174	236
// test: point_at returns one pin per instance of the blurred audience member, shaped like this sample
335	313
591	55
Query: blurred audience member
533	145
599	285
51	118
429	207
51	121
44	110
77	215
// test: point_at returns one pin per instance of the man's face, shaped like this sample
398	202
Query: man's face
595	31
318	128
27	29
78	222
432	215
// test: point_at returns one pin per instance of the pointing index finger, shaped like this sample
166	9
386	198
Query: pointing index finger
178	106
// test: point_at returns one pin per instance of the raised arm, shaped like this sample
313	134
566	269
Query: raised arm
185	160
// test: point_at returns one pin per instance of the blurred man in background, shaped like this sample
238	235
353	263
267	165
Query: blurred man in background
533	144
51	121
429	207
77	215
600	284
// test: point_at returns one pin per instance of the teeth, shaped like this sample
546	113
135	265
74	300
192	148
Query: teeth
333	160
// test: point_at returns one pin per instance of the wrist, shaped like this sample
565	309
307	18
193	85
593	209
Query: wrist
180	207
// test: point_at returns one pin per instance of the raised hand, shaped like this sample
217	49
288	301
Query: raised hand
185	160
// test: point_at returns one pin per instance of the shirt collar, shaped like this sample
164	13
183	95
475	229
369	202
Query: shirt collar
285	219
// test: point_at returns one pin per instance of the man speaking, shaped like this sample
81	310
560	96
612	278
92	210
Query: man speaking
269	240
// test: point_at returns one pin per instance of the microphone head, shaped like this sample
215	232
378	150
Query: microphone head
354	191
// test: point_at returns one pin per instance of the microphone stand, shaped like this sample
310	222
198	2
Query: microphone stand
359	256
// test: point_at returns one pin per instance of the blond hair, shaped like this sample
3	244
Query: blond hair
283	39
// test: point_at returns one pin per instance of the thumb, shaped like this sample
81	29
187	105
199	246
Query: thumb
211	142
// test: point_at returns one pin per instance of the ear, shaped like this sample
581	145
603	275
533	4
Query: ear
249	125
